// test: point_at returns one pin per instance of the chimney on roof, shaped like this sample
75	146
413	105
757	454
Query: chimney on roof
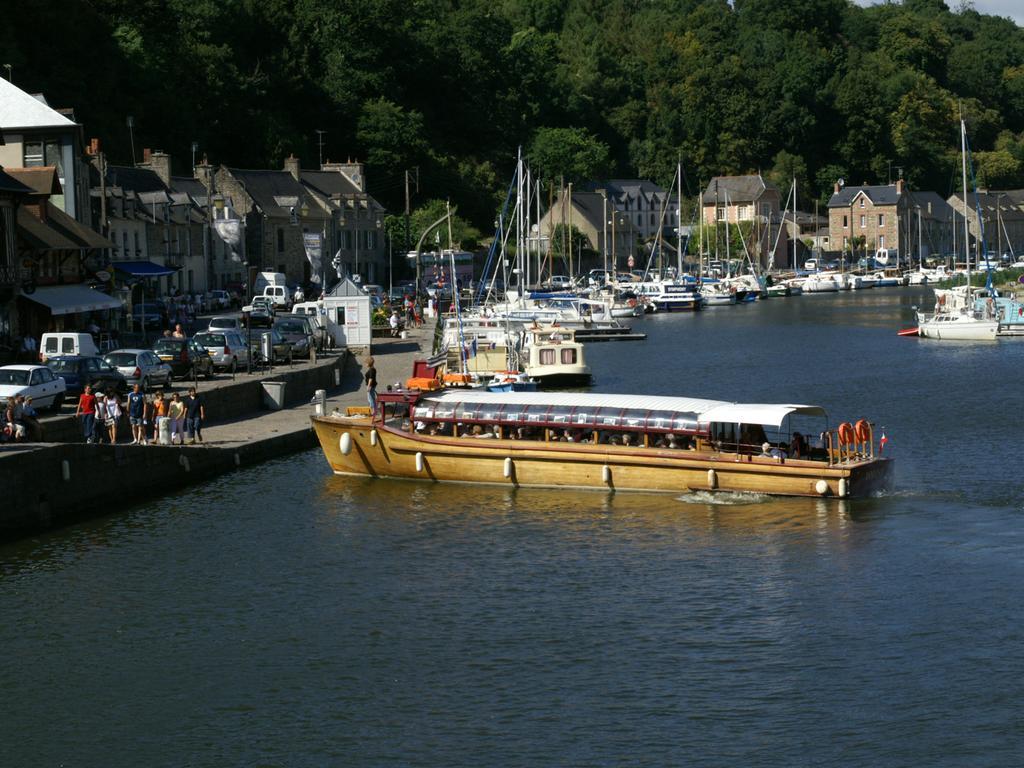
203	172
353	171
159	162
899	186
838	188
291	164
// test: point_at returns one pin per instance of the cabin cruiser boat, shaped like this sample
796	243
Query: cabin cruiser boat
678	297
956	316
604	442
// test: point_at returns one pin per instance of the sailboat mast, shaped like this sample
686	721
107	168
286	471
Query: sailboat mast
795	228
963	163
679	220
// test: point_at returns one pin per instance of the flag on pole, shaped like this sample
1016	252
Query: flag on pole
882	442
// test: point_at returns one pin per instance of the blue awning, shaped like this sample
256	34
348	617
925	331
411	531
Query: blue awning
143	268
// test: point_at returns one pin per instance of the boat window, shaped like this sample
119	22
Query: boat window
467	411
514	413
659	420
609	417
560	414
547	356
568	356
535	413
490	412
444	411
684	421
424	411
584	416
634	417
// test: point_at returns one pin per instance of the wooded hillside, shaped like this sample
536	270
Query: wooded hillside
818	88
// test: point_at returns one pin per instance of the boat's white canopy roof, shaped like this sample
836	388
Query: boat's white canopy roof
704	411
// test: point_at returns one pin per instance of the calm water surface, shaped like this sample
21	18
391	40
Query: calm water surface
285	617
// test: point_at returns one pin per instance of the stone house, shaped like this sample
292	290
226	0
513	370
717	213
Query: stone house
616	217
357	219
867	219
278	212
1002	217
749	199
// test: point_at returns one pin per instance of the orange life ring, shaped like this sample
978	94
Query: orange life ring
846	433
862	430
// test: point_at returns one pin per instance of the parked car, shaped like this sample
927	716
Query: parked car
77	371
140	366
226	348
66	343
186	358
260	312
218	299
282	348
36	381
560	282
221	324
295	333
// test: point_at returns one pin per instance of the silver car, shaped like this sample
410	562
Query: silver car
140	366
227	348
221	324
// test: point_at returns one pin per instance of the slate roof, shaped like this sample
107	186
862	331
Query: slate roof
1009	203
189	186
329	183
135	179
22	110
881	194
739	189
274	192
932	205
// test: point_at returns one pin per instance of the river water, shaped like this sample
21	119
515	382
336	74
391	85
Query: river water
285	617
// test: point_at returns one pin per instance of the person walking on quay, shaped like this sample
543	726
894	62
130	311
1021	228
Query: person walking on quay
29	349
137	415
99	424
371	384
113	412
176	413
195	412
159	414
86	411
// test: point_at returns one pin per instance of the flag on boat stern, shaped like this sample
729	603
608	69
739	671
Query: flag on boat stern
881	443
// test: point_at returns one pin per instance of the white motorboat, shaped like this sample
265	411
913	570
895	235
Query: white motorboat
820	284
552	356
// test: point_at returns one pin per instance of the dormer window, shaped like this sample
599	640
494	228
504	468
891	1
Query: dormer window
862	202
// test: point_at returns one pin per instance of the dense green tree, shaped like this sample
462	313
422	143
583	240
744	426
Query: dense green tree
570	154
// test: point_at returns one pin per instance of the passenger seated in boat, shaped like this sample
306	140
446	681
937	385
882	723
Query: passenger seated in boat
770	451
478	431
751	436
628	439
798	446
433	429
615	439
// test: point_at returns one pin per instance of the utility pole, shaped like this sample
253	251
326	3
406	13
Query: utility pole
320	145
407	210
131	135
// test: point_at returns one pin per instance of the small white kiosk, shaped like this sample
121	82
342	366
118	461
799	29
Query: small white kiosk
348	315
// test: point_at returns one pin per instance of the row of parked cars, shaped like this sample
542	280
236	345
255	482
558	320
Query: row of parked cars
71	360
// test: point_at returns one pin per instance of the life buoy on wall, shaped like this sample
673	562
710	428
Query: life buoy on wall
846	433
862	431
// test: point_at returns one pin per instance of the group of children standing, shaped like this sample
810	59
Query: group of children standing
102	414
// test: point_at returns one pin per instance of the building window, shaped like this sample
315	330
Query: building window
348	239
280	239
881	242
846	222
862	218
862	202
652	219
720	214
371	240
881	219
124	247
137	251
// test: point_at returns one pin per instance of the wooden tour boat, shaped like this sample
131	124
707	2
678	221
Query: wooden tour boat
611	442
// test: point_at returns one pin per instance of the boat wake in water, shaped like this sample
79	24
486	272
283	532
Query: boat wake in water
724	498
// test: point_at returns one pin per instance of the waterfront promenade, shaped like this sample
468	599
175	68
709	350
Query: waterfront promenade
55	483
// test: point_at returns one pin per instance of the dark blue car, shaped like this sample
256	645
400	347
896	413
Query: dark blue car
77	371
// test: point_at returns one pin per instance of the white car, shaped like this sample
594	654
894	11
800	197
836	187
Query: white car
35	381
221	324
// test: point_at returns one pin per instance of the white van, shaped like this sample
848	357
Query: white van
279	295
66	343
263	279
